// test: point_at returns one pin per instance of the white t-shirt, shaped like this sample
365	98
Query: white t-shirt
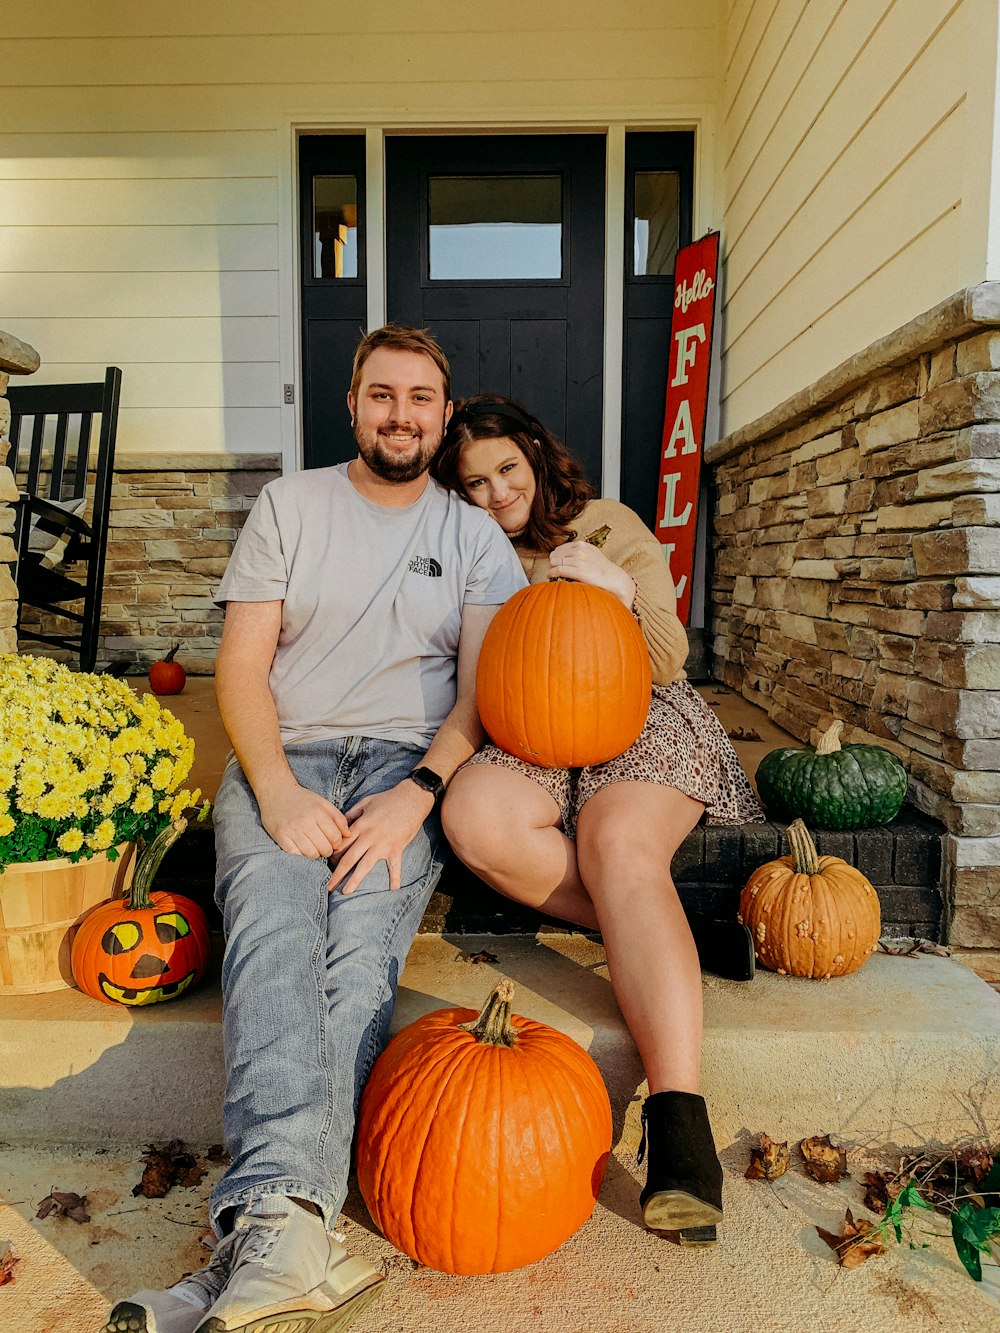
371	599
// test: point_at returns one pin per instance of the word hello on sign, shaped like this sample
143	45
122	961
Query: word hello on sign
695	276
701	287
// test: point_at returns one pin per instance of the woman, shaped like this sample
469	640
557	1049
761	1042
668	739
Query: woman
593	846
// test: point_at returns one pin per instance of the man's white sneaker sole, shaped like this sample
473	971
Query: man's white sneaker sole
297	1317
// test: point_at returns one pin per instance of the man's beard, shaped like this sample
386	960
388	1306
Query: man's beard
391	465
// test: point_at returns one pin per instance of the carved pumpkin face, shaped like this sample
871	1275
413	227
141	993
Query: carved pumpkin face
136	956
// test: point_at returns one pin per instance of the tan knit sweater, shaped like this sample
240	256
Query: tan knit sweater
632	547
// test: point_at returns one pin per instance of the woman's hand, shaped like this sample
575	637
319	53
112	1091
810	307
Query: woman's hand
585	563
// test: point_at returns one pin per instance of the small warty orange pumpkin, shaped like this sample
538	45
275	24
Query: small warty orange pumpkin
809	915
482	1144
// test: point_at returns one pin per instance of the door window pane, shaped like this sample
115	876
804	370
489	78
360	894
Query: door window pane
656	234
335	227
495	227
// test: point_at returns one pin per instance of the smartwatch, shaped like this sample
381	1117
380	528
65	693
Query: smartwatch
430	781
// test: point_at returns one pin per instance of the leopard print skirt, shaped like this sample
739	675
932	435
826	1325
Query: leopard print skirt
683	745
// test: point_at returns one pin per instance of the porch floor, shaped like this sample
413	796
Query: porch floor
901	1055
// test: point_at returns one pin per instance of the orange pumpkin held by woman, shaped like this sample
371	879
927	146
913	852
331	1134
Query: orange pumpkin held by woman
146	947
482	1141
564	678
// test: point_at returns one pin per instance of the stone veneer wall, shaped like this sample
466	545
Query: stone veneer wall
174	520
856	552
16	358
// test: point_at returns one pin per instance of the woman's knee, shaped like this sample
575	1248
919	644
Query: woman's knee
488	810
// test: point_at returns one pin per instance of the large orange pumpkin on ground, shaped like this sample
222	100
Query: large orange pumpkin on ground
809	915
146	947
564	677
482	1142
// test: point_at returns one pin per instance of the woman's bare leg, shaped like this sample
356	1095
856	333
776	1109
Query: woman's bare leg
626	836
504	826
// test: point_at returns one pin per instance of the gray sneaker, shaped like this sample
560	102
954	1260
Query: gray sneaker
179	1309
288	1274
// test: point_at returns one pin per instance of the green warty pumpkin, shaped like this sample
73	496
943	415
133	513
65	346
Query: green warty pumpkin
833	786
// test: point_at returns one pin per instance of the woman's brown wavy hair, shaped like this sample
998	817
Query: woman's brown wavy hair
561	488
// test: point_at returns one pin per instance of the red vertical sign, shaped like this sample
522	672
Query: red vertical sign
695	275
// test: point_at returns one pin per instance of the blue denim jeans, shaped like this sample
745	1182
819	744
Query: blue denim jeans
309	977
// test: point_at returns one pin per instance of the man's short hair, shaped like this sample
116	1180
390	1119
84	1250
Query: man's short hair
403	339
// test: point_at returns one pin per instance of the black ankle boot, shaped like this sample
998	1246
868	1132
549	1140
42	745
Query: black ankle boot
724	945
683	1190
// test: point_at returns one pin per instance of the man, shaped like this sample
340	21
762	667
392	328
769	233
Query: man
356	601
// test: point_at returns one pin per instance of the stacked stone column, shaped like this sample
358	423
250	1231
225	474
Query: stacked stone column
856	551
16	358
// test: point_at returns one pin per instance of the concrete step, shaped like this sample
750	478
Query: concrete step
906	1051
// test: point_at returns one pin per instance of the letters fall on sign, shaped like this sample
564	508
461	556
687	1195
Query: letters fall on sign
695	276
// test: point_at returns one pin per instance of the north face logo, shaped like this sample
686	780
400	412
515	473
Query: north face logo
425	564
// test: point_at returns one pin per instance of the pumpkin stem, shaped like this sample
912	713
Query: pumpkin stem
492	1027
599	536
829	742
803	849
149	863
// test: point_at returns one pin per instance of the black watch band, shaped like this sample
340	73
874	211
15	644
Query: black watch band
430	781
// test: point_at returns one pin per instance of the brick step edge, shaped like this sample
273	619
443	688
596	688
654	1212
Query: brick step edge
902	860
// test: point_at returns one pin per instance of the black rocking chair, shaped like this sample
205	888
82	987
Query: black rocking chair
60	553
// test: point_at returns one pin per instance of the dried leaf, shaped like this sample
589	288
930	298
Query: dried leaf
824	1161
64	1204
768	1160
907	947
190	1176
217	1153
66	1200
166	1167
483	956
8	1262
974	1164
744	734
880	1190
859	1241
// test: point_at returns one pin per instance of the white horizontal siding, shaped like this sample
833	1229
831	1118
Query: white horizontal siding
844	126
144	193
121	341
433	23
165	384
121	248
49	295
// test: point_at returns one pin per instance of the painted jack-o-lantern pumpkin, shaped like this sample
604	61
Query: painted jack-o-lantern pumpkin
146	947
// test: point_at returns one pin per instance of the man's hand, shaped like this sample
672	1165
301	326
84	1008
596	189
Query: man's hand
303	822
381	827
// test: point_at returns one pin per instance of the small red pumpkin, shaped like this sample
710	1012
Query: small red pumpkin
482	1144
146	947
167	676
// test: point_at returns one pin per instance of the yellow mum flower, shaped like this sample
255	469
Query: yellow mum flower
30	785
162	774
6	825
102	836
143	801
70	841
